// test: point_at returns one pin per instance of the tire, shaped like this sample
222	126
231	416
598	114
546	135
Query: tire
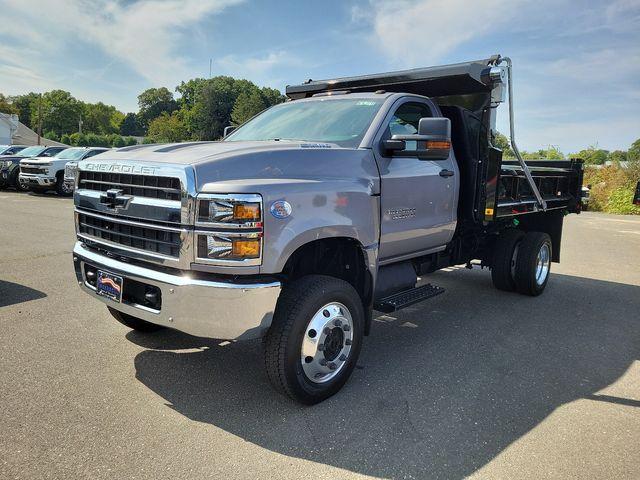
20	187
134	323
503	263
312	311
533	264
61	188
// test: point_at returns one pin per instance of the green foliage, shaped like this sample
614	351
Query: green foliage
593	155
100	118
6	106
118	142
153	102
131	125
633	154
621	201
209	105
617	156
167	128
66	139
23	104
246	106
58	111
502	142
128	141
51	135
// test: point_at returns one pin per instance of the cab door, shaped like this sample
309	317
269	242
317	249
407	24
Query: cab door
418	197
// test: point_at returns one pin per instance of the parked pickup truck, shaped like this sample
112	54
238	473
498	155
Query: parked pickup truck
318	211
10	164
42	174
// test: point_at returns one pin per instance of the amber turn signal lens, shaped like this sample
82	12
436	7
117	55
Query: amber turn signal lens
246	211
438	145
246	248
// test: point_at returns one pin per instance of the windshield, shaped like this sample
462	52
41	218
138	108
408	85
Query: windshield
343	121
71	154
31	151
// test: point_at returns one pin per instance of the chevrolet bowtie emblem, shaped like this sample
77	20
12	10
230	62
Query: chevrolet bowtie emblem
114	198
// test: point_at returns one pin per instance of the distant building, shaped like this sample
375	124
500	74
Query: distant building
12	132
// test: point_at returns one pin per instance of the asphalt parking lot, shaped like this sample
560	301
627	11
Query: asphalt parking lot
475	382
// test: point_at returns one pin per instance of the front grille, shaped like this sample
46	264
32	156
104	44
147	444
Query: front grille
164	188
31	170
142	237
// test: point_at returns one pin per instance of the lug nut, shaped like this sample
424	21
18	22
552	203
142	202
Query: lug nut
337	322
332	366
323	361
346	327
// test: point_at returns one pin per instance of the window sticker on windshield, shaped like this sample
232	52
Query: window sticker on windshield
368	103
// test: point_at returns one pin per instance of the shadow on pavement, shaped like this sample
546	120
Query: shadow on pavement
442	388
12	293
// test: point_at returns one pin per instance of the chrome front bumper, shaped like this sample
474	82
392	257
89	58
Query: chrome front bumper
206	308
36	179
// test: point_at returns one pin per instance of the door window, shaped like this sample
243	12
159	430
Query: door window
405	121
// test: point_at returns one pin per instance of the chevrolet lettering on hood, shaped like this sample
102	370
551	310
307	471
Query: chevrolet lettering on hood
120	168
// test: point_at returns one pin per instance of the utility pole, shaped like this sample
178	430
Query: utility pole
80	125
39	118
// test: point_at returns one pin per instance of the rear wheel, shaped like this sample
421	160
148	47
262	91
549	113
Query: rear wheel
315	338
134	323
533	264
505	251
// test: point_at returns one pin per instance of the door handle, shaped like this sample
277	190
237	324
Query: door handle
446	173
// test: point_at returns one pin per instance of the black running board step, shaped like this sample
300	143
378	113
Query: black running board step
401	300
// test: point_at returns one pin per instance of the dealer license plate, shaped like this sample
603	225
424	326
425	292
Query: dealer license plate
109	285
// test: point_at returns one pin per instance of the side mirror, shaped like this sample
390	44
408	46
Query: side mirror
432	142
228	129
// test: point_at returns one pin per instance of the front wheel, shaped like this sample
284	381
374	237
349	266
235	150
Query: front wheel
20	187
61	187
315	338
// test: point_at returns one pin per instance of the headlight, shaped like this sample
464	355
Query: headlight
241	210
233	234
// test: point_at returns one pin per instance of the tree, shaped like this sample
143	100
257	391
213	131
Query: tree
617	156
100	118
24	104
58	111
167	129
153	102
6	106
246	106
503	143
131	126
633	154
593	155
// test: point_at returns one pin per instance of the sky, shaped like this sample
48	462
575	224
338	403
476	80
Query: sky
576	63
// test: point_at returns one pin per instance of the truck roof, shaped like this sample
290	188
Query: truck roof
442	80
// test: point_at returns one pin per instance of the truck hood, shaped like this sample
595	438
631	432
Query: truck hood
191	153
36	160
243	166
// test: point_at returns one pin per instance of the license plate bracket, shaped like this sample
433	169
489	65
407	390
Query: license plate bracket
109	285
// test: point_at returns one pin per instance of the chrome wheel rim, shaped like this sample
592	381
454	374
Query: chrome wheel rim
327	342
543	262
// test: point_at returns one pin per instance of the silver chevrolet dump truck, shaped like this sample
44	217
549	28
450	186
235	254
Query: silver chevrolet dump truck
318	211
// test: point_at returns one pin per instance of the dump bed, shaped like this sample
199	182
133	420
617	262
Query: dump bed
468	94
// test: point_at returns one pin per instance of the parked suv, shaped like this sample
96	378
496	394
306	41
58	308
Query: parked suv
42	174
11	149
10	164
71	167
